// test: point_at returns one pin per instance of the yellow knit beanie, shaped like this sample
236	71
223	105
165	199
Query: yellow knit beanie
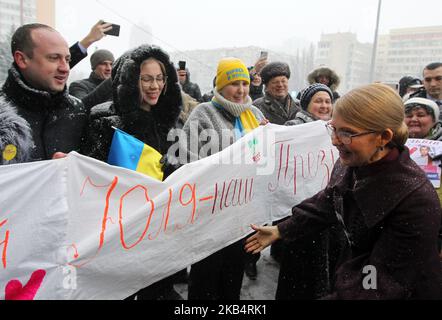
231	70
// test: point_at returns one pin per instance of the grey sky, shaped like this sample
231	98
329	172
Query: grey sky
198	24
206	24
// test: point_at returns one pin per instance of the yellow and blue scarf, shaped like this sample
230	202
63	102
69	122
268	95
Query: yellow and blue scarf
245	123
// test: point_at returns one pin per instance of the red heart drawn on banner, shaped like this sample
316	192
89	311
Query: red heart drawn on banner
15	290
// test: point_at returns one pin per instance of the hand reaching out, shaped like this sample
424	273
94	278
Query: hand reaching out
96	33
260	64
264	237
59	155
264	122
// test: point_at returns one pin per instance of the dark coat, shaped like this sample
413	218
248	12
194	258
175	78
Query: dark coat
391	215
101	94
256	92
57	120
274	111
306	264
301	118
76	55
82	88
207	97
16	133
92	91
125	112
421	93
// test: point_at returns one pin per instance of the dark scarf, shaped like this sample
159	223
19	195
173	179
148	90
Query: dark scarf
21	94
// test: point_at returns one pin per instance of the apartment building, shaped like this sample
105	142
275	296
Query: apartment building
347	56
14	13
407	51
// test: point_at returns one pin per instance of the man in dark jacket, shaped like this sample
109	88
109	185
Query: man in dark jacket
277	105
192	89
432	90
85	90
36	88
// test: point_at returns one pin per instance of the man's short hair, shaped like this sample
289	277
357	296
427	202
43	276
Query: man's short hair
433	66
22	39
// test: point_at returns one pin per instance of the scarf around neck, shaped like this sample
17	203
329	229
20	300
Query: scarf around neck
245	120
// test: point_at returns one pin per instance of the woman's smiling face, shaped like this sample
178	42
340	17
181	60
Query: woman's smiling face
361	150
321	106
419	122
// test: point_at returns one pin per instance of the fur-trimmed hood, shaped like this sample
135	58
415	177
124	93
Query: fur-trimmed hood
126	93
325	71
125	112
15	133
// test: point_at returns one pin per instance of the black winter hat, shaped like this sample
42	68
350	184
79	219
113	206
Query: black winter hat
275	69
308	93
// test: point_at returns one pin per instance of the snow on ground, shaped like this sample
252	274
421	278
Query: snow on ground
263	288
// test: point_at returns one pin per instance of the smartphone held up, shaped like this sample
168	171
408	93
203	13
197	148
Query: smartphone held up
182	65
264	55
115	31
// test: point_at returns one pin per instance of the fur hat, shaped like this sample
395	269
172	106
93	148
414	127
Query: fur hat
275	69
428	104
100	56
308	93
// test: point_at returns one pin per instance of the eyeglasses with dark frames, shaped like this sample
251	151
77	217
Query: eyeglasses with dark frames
343	136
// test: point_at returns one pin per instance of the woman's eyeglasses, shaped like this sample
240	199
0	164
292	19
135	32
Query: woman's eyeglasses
148	81
344	136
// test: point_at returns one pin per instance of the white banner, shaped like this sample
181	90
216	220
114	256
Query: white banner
77	228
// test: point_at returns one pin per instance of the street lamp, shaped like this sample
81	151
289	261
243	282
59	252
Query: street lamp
375	44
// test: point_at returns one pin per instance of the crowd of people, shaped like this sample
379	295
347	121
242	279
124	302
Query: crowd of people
378	209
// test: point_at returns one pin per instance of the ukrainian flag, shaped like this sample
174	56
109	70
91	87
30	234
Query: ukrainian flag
128	152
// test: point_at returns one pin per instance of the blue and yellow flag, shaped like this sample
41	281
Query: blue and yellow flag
128	152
